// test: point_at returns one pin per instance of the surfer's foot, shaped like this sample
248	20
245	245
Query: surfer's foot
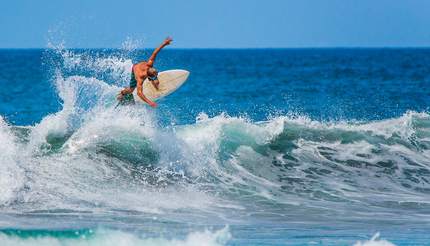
155	83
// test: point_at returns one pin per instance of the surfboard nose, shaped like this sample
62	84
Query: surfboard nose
182	73
186	74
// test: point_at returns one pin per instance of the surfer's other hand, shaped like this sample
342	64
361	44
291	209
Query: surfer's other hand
152	104
167	41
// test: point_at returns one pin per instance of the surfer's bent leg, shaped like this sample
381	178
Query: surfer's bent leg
125	91
126	97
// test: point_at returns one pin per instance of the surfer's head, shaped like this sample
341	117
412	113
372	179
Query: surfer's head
152	72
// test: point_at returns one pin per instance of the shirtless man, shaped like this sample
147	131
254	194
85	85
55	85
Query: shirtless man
139	73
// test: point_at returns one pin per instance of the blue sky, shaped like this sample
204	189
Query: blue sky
216	23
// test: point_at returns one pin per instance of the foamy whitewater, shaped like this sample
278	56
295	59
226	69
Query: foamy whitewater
95	174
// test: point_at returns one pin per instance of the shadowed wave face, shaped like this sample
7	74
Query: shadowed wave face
325	138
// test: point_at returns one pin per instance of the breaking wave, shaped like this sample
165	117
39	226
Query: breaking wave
92	156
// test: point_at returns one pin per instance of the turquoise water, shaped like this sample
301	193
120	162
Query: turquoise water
259	147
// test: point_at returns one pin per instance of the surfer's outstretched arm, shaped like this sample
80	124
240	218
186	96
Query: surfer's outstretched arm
143	97
166	42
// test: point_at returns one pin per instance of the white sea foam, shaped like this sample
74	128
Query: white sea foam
11	175
401	126
374	241
118	238
110	237
117	67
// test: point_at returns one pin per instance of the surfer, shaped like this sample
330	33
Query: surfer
139	72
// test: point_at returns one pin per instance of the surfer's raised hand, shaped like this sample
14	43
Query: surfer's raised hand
151	59
167	41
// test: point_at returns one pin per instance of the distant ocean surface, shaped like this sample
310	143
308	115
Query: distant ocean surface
258	147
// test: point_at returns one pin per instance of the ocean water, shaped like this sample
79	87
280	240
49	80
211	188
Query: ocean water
259	147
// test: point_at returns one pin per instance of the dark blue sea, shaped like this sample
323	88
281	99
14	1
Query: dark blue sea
258	147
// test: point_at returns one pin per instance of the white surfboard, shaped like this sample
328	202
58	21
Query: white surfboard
170	81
